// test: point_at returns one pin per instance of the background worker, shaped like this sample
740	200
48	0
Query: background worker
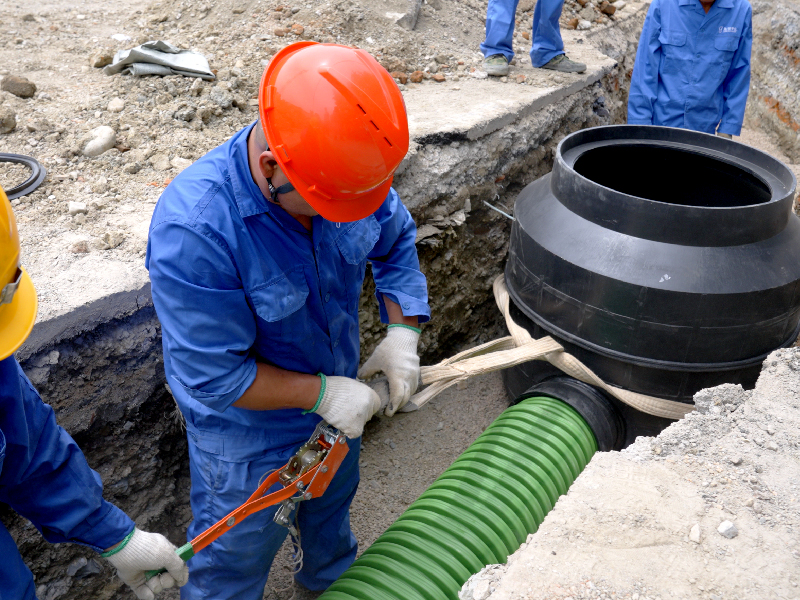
692	66
43	474
257	255
547	51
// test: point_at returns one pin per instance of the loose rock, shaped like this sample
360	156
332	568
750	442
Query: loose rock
583	25
438	77
179	163
99	140
416	77
116	105
77	208
728	529
8	119
100	59
694	533
400	76
19	86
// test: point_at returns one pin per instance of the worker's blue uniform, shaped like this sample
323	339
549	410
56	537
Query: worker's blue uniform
693	69
235	280
546	33
45	478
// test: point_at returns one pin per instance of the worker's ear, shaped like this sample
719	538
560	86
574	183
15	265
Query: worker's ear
267	164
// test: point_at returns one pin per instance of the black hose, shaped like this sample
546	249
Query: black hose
38	173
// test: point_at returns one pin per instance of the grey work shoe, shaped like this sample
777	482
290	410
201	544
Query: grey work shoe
496	65
565	65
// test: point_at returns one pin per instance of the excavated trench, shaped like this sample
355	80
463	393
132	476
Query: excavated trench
104	374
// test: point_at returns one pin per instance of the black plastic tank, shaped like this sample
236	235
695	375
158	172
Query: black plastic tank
666	260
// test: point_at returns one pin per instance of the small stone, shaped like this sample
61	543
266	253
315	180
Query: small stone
520	78
220	97
100	59
298	29
728	529
8	119
573	23
99	140
438	77
110	240
160	161
619	4
736	460
186	113
399	76
132	168
19	86
583	25
442	59
179	164
280	31
526	34
116	105
75	565
772	446
76	208
607	8
749	502
416	77
694	533
81	247
440	426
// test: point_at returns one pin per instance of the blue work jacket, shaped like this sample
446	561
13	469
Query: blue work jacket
237	280
45	478
693	69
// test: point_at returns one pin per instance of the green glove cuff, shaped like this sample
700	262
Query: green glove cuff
417	329
122	544
321	394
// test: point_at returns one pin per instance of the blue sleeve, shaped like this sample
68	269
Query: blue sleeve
644	81
395	265
207	326
44	476
737	82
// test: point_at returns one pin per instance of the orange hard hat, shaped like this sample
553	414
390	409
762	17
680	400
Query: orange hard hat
18	302
336	122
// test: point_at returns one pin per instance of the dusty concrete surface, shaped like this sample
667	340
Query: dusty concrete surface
651	522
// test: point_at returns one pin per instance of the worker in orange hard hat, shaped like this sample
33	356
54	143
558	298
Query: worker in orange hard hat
43	474
257	254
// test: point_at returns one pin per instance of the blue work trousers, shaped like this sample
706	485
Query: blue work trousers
546	34
237	564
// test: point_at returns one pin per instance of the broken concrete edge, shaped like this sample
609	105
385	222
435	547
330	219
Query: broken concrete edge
82	319
706	507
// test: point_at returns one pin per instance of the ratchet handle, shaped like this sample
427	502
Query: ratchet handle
185	552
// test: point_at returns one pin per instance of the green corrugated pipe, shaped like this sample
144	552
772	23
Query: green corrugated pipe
479	510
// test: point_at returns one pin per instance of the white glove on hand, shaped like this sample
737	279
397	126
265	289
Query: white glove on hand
347	404
397	357
146	552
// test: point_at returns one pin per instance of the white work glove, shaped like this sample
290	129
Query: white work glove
149	552
724	135
397	357
347	404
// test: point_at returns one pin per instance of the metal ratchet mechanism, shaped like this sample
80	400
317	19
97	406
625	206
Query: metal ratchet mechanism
307	475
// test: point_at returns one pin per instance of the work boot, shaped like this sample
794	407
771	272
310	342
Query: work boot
496	65
563	64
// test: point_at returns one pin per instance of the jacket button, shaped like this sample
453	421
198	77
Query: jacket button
406	305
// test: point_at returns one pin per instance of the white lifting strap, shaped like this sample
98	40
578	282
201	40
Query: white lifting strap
520	347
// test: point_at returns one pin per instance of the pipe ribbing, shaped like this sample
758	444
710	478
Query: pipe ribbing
479	510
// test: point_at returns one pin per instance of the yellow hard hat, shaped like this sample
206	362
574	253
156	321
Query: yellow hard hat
18	301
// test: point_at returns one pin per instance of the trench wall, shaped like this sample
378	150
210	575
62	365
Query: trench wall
103	370
774	102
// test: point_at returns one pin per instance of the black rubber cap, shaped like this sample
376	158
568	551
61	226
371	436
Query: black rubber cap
38	173
590	403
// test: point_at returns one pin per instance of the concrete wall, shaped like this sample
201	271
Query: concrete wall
101	367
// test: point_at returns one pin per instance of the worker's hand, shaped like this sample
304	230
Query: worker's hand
397	357
724	135
347	404
149	552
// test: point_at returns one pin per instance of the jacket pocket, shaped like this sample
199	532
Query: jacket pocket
281	296
672	38
675	61
726	43
356	242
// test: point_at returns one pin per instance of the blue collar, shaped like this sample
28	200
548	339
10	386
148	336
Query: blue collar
720	3
249	198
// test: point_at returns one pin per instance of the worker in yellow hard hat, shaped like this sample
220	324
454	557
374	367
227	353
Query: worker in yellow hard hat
43	474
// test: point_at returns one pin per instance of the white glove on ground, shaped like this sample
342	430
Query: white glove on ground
145	552
347	404
397	357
